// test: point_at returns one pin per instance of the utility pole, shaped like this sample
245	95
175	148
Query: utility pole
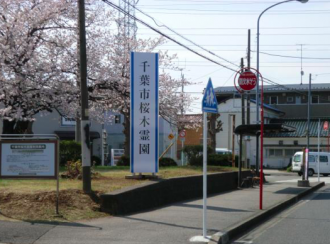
233	142
248	67
308	122
248	112
301	60
182	139
241	136
85	140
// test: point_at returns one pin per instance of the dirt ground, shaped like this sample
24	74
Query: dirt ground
41	206
35	200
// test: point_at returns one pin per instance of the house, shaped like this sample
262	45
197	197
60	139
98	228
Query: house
285	104
64	128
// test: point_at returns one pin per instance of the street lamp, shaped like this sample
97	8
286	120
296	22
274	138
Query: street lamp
257	93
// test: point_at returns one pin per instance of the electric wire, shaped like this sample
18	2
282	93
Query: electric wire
165	35
266	80
285	56
170	29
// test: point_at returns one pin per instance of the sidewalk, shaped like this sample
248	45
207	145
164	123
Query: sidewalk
176	223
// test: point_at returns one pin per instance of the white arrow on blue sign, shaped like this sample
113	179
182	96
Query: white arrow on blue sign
209	103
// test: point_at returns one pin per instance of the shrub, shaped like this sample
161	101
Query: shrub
124	161
167	162
74	170
69	151
219	160
195	154
196	161
95	160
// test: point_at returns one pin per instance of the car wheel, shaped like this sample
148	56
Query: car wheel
300	173
325	175
310	172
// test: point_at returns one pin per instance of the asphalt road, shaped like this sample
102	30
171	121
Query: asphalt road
306	222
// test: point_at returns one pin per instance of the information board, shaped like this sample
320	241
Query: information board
28	159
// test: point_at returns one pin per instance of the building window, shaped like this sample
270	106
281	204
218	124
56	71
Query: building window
273	100
275	152
117	119
298	99
289	152
329	98
289	99
315	99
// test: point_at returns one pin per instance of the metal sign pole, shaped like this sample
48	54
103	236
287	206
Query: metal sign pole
318	151
58	178
204	173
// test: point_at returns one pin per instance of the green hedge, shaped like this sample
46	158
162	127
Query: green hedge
163	162
69	151
167	162
123	161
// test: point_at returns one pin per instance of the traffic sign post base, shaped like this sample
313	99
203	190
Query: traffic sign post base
303	183
141	177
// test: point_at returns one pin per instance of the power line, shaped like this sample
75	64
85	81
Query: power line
235	14
285	56
182	36
242	28
193	51
167	36
234	34
238	11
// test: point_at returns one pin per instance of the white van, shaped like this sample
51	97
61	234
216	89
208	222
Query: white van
313	163
222	151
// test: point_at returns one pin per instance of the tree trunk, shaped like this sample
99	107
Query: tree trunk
127	133
17	127
8	127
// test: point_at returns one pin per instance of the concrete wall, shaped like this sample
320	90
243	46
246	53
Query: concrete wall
156	194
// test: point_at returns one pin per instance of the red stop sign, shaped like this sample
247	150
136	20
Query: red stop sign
325	125
247	80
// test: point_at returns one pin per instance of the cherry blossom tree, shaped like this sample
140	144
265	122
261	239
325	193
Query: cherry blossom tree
39	68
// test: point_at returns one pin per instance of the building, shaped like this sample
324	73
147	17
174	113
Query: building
285	104
64	128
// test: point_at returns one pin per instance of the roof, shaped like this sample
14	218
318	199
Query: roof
279	88
269	107
254	129
301	128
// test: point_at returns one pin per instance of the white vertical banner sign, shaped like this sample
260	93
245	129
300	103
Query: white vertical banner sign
144	112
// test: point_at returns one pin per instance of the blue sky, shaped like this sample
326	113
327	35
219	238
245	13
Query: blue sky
222	26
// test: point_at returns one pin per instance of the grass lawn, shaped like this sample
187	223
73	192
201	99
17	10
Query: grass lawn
34	200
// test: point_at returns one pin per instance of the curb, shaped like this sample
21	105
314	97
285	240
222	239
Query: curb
253	221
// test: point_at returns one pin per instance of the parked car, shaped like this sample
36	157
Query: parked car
222	151
313	163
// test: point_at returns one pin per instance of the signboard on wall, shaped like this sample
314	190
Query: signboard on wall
28	159
68	121
144	112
